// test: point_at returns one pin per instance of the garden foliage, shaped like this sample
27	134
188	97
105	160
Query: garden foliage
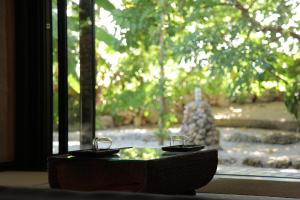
230	48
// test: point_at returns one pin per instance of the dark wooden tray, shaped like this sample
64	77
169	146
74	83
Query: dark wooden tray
94	153
135	170
182	148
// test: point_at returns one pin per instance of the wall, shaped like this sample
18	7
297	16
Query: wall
6	81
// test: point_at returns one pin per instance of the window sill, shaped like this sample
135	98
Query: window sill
253	185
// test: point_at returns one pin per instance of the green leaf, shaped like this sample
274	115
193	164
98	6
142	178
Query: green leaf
105	4
74	83
292	98
108	39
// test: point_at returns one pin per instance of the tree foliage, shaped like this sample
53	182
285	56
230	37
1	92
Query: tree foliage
228	47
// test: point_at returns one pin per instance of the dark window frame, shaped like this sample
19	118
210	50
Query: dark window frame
33	74
63	76
34	84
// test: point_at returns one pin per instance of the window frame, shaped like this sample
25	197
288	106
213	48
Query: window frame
63	76
63	80
33	85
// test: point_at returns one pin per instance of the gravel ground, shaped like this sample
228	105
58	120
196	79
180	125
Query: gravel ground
242	150
231	154
230	151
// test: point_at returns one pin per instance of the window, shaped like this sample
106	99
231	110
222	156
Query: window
147	60
73	75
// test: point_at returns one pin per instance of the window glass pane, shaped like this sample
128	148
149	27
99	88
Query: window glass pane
55	77
152	55
80	73
225	78
80	55
128	80
73	74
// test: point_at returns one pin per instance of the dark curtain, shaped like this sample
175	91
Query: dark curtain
33	84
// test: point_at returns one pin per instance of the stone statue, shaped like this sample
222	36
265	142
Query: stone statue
198	122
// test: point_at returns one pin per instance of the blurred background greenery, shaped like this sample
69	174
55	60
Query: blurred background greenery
151	54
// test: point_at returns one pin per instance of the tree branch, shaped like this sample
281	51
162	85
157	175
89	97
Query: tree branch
245	13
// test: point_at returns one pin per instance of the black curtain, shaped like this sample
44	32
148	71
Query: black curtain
33	84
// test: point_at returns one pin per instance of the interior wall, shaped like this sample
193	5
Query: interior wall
7	102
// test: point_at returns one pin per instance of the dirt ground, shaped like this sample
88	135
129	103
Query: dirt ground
258	111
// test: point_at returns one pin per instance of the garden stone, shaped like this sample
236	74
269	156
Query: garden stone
268	138
242	137
152	118
296	164
106	121
227	161
281	138
279	162
253	162
223	101
126	116
137	121
198	124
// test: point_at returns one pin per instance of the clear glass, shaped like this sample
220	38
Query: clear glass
55	77
80	73
128	92
251	126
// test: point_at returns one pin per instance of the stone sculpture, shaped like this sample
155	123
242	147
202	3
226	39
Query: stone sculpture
198	123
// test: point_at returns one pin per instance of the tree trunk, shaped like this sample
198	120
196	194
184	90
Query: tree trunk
161	123
87	72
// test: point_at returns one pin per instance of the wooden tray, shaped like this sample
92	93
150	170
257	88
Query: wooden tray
134	171
183	148
94	153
